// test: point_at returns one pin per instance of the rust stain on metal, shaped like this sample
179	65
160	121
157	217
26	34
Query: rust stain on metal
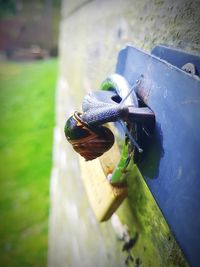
144	93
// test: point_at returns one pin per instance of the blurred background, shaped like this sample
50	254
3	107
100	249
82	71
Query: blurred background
28	72
52	53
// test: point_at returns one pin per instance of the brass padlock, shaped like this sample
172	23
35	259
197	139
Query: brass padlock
104	175
104	198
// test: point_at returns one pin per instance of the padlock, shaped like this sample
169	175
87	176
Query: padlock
104	198
104	173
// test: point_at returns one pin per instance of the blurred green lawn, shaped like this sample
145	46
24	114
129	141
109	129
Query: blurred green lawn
26	131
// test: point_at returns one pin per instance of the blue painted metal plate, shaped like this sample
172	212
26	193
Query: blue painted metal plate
176	57
171	164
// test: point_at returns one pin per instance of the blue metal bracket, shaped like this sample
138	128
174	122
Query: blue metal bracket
176	57
170	164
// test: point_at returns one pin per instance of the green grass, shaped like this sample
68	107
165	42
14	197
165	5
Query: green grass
26	132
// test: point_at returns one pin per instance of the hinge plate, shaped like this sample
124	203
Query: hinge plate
170	165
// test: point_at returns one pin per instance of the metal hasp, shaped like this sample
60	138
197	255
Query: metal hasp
170	164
